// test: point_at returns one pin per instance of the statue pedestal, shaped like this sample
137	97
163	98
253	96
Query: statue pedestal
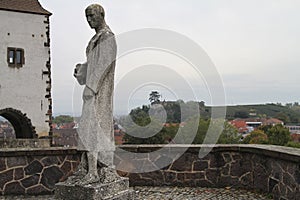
116	190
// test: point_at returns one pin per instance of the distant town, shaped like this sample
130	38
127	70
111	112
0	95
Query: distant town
247	124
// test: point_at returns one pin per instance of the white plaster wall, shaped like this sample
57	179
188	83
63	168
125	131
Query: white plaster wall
25	88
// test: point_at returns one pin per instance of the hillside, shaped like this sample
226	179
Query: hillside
288	114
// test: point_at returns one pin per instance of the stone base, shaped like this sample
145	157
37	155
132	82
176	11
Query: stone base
117	190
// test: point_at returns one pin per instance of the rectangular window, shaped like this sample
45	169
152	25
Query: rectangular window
15	57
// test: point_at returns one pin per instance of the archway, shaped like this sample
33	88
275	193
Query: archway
21	123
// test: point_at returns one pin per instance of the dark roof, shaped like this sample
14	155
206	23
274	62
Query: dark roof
27	6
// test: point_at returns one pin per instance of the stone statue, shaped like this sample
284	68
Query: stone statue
96	176
97	74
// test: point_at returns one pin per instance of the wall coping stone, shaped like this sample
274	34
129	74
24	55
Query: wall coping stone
278	152
9	152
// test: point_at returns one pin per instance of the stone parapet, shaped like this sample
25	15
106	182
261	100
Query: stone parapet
35	171
269	169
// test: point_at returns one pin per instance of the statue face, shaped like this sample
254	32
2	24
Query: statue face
94	18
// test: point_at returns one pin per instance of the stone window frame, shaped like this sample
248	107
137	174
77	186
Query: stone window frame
13	59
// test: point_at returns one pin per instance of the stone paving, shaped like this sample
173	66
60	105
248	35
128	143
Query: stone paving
173	193
188	193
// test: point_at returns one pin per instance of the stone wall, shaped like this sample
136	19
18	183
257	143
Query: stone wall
269	169
35	171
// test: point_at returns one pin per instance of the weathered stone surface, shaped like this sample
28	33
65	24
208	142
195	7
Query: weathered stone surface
38	190
5	177
260	178
2	164
51	176
184	163
297	176
289	180
203	183
73	157
195	175
225	181
18	173
217	161
16	161
240	167
66	169
163	162
225	170
272	184
94	191
30	181
170	177
212	175
200	165
227	157
155	177
33	168
61	159
246	180
135	179
236	157
74	165
50	160
14	188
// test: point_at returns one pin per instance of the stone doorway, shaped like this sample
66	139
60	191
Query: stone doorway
21	123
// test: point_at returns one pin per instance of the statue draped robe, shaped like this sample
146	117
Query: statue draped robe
95	127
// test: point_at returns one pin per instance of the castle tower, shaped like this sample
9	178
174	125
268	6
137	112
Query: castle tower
25	70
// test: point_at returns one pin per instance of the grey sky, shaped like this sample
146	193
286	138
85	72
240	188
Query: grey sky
254	44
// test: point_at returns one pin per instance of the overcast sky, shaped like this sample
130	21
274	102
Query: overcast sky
254	45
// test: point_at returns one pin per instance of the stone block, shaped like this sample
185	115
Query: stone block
33	168
2	164
157	177
170	177
184	163
48	161
18	173
116	190
16	161
38	190
217	160
30	181
227	157
51	176
212	175
14	188
194	176
272	184
6	177
200	165
247	180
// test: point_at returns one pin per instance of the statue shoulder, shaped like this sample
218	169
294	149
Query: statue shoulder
107	33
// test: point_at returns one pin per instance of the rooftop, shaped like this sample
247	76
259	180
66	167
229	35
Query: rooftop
26	6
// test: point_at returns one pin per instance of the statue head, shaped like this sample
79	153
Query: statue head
95	16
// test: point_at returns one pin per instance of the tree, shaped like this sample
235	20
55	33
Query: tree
154	97
201	132
278	135
256	137
142	132
229	135
283	117
62	119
